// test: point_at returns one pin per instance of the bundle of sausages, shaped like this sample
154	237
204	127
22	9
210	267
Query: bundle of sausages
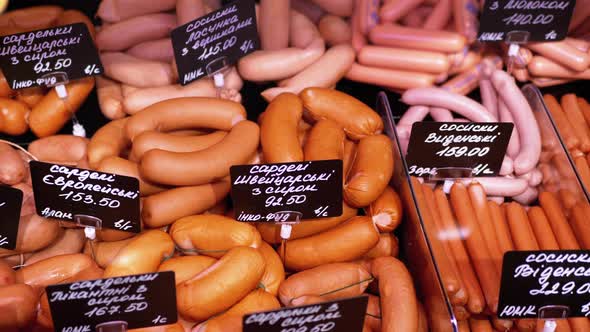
38	108
137	55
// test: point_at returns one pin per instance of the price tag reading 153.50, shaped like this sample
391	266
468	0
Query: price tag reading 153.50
65	192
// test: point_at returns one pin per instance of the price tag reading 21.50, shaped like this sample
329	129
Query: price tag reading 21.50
312	188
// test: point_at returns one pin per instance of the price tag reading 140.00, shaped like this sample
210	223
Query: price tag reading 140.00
65	192
49	57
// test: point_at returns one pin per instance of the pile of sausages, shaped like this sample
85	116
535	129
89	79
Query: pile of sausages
136	52
39	108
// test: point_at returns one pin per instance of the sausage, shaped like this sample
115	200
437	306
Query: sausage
12	167
574	115
334	30
271	232
71	241
438	97
110	98
221	285
176	114
52	112
386	211
59	148
7	276
399	306
325	141
475	297
187	11
34	233
332	246
103	253
5	90
13	117
164	208
373	313
138	99
138	72
325	72
561	229
108	141
543	67
275	65
529	135
124	167
502	230
156	50
199	167
30	96
366	15
580	225
391	79
394	10
505	116
357	119
329	281
274	272
388	245
465	14
186	267
403	59
339	8
520	227
563	53
565	129
213	235
370	172
117	10
150	140
143	254
273	24
124	34
279	130
439	17
32	18
415	38
18	304
487	272
63	268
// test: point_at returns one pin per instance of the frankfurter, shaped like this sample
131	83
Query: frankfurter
389	78
274	22
187	11
418	39
124	34
386	211
274	272
117	10
34	233
121	166
561	228
156	50
59	148
103	253
110	98
279	129
138	72
563	53
30	96
186	267
404	59
12	167
325	141
334	30
13	117
394	10
573	114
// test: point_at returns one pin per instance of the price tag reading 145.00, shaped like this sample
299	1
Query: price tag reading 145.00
65	192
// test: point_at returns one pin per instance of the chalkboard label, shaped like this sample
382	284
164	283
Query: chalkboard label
532	280
82	195
346	315
141	300
214	41
540	20
49	57
441	148
11	201
312	188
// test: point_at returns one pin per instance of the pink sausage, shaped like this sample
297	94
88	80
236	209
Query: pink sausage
534	177
527	197
308	8
157	50
438	97
501	186
395	10
524	120
489	98
507	167
368	16
413	114
440	114
506	116
359	39
125	34
439	17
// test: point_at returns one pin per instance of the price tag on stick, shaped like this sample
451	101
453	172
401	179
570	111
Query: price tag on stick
537	20
346	315
141	300
263	192
443	149
11	200
550	284
49	57
215	41
81	195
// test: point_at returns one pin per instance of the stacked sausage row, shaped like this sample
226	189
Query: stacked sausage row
39	108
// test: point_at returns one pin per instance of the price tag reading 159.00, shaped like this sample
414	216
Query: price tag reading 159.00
64	192
49	57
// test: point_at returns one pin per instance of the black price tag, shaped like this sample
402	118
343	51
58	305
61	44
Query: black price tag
443	149
214	41
141	300
540	20
86	196
49	57
532	280
312	188
11	201
347	315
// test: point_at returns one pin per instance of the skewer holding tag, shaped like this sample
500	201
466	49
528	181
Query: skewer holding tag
514	39
58	81
550	313
217	69
283	218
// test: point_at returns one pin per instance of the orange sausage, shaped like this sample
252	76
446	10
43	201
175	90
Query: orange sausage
389	78
520	228
346	242
274	22
580	225
108	141
502	230
404	59
278	130
59	148
486	225
103	253
370	172
52	113
562	53
334	30
12	167
110	98
7	276
30	96
394	10
34	233
18	304
565	128
5	90
186	267
120	166
325	141
563	233
274	272
13	117
387	246
573	113
386	211
583	170
150	140
415	38
71	241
